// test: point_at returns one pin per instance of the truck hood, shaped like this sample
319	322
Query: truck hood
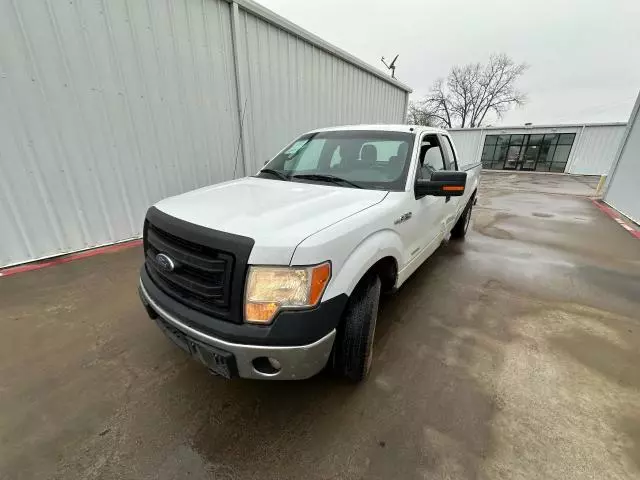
278	215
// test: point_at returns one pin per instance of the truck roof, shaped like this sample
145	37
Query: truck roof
383	127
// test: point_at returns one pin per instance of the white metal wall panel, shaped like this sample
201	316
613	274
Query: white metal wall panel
468	145
595	149
623	190
292	86
108	106
97	118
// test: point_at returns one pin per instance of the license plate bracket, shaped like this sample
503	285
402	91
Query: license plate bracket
219	362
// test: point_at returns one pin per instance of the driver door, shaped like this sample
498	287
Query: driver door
427	226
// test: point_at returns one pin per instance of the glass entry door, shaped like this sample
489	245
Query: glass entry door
531	152
513	157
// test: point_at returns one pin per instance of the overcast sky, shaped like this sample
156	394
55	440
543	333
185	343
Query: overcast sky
584	55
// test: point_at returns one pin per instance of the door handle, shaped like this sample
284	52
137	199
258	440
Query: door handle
403	218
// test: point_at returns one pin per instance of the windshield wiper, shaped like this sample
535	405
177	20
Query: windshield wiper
326	178
275	173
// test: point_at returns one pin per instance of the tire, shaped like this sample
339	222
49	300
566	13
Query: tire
459	230
353	351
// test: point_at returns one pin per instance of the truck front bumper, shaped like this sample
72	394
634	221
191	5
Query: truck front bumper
295	362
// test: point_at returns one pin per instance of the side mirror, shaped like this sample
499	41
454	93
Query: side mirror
442	184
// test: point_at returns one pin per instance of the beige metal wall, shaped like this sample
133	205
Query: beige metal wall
107	106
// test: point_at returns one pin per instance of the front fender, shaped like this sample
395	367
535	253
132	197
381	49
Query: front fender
384	243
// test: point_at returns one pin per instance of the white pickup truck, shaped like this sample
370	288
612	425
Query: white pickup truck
278	276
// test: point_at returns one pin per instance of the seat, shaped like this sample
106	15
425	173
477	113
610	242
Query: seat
369	154
424	148
423	151
396	163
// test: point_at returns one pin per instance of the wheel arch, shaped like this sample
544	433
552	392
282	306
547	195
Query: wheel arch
380	253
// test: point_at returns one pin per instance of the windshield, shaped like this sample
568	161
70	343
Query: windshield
354	158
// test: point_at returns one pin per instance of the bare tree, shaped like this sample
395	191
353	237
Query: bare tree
471	92
418	114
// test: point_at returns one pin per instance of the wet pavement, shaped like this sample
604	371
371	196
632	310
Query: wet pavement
513	354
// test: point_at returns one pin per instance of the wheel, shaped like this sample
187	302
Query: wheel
353	350
459	230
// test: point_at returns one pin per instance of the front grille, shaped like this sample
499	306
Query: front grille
201	277
209	271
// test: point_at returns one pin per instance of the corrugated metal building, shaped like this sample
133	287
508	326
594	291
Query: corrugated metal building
622	191
587	149
111	105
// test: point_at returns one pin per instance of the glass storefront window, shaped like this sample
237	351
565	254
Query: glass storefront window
550	139
531	152
540	152
499	155
487	153
513	155
545	157
504	139
487	156
547	149
491	140
566	139
516	139
530	156
535	139
562	154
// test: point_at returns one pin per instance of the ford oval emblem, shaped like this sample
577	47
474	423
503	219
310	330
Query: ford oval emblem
165	262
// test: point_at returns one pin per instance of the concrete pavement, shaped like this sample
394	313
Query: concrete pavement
513	354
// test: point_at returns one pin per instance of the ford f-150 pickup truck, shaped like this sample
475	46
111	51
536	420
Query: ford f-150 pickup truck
278	276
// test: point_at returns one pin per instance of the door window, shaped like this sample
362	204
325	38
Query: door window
431	157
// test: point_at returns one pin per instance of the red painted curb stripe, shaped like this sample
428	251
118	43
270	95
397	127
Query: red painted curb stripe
69	258
616	216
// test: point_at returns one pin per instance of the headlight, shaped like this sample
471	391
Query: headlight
271	288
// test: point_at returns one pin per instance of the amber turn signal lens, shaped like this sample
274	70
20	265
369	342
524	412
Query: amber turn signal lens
260	312
453	188
319	278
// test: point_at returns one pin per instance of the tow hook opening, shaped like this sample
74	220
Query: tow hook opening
266	365
150	311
